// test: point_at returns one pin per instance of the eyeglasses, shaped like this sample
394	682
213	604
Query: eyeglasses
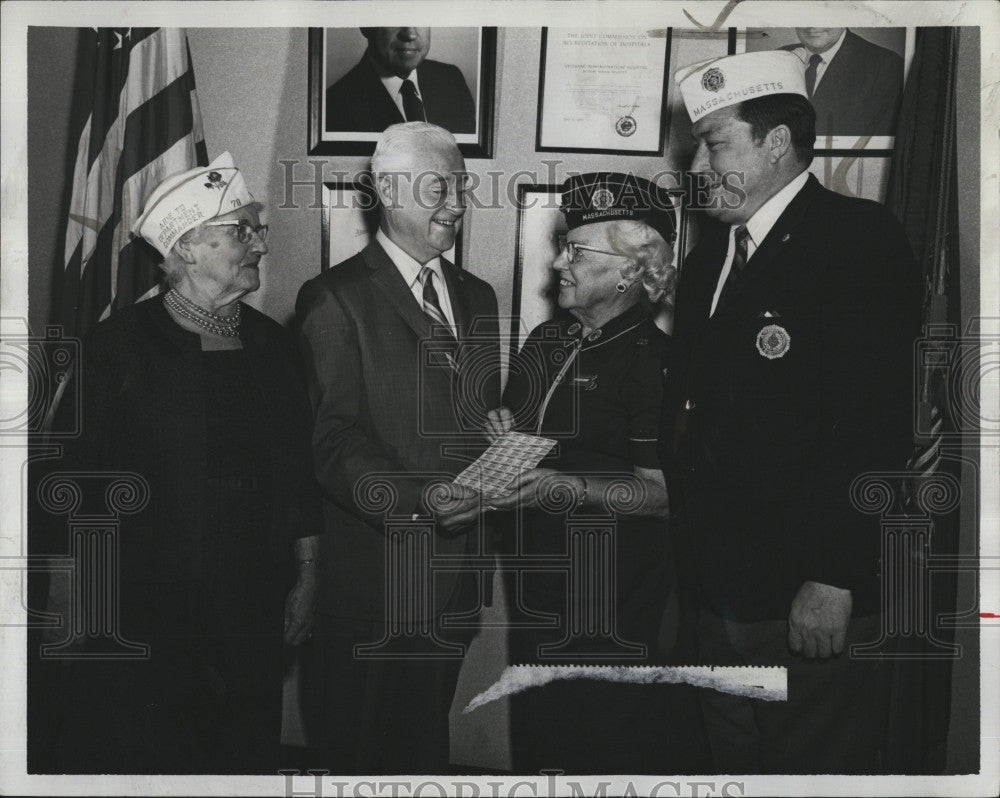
244	230
571	248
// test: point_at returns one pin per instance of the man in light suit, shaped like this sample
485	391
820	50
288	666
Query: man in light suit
402	355
395	82
790	376
854	85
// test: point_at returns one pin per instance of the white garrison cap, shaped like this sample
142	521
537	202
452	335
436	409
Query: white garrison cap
713	84
187	199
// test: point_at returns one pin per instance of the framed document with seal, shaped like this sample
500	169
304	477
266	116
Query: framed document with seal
603	90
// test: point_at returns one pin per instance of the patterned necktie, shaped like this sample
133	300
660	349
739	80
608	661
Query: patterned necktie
738	267
814	61
432	304
413	109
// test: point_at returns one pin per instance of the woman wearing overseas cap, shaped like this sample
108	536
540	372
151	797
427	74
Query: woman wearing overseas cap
195	393
592	379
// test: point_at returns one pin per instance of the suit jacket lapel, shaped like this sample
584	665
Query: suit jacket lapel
387	277
782	231
840	71
382	110
458	295
774	242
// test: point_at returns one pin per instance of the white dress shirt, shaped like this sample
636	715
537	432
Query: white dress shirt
758	226
394	85
410	269
825	57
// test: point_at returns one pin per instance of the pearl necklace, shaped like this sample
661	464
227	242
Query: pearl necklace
226	326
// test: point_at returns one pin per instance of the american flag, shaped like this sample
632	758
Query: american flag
144	123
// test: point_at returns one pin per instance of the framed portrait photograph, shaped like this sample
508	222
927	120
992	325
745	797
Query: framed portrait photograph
350	220
540	224
853	175
855	78
603	91
361	80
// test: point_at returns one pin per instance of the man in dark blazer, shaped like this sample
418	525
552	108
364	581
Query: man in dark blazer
403	362
790	377
395	82
855	86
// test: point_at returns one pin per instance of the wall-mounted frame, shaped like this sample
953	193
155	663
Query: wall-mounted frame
603	91
350	221
539	224
859	87
349	106
853	175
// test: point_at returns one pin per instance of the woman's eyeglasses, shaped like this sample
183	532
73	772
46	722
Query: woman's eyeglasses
244	230
571	249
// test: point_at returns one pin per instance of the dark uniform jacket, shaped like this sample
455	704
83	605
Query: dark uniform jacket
359	100
384	406
860	91
792	389
603	411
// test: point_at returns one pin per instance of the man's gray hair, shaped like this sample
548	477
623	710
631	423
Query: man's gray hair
400	143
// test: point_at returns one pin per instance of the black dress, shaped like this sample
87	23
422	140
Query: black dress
222	441
600	398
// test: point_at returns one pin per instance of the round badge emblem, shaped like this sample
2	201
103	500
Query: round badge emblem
602	200
713	79
625	126
773	341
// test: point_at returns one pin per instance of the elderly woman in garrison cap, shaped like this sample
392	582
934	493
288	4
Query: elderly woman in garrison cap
592	379
197	394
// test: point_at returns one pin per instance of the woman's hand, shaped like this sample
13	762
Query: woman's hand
300	605
498	422
530	486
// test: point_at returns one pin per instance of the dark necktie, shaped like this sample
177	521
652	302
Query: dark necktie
442	351
738	267
413	109
814	61
432	303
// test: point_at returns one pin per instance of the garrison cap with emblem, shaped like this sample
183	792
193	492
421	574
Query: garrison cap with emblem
614	196
718	82
187	199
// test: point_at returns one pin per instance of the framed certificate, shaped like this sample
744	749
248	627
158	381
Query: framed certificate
350	221
603	91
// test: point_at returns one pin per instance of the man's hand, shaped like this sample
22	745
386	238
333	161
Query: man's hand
498	422
455	506
817	624
300	606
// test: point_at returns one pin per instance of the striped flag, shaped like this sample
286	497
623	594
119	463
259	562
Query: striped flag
144	124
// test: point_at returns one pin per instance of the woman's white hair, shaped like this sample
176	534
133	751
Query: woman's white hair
652	257
399	144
